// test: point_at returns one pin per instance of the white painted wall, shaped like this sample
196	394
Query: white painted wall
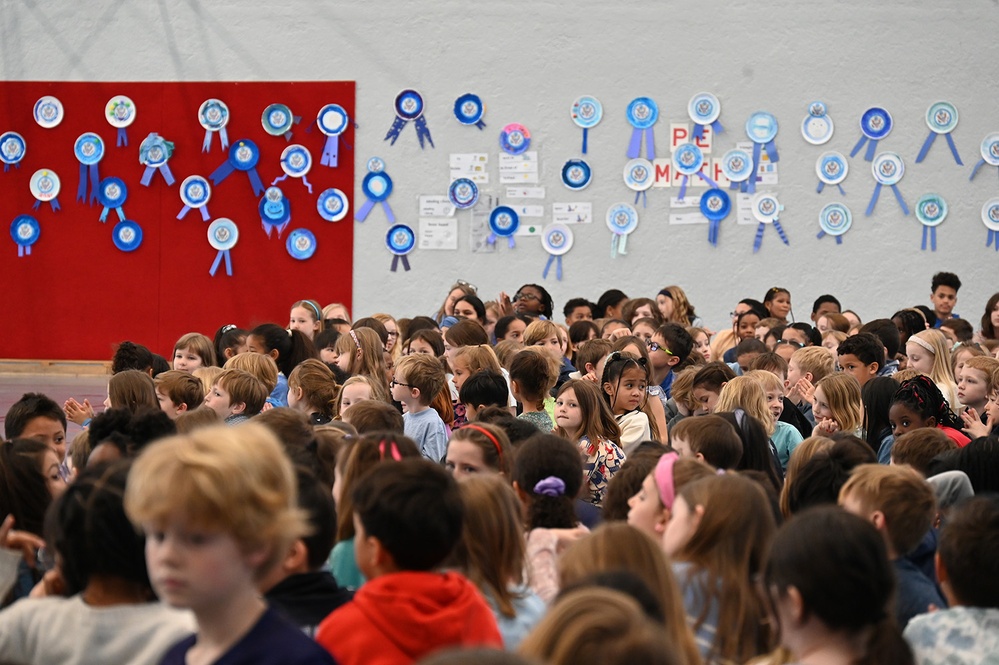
529	60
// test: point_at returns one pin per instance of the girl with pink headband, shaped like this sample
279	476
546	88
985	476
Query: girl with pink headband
651	507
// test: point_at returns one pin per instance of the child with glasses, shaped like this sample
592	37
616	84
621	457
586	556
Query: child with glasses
417	380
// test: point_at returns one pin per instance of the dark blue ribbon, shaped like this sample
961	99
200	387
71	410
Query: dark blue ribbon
877	193
223	253
122	137
645	199
423	132
557	260
54	203
164	169
6	167
713	225
822	186
929	143
395	262
95	178
586	135
226	169
716	127
822	234
119	210
993	238
186	209
750	184
393	133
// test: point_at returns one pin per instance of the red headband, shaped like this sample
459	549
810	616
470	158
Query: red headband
489	435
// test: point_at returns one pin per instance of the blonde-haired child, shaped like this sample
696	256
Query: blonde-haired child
192	351
207	376
785	436
360	352
355	389
929	353
219	511
837	405
807	367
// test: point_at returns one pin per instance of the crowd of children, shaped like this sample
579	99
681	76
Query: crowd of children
491	485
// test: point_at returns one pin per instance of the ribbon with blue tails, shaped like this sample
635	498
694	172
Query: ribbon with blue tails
364	210
716	127
119	210
95	177
823	234
872	148
877	193
122	137
993	239
206	146
683	184
978	166
930	232
493	237
223	254
396	260
164	169
204	212
557	262
758	241
772	154
226	169
635	146
822	186
54	202
929	143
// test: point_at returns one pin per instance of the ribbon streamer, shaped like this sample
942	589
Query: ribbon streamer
713	226
122	137
586	136
119	210
822	234
758	241
635	146
931	232
362	212
331	152
978	166
716	127
683	184
491	240
305	181
226	169
749	185
53	202
95	177
929	143
150	171
395	262
223	137
993	238
877	193
872	148
204	212
23	251
423	132
223	253
557	260
619	245
822	186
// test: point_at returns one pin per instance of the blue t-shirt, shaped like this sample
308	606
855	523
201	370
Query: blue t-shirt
273	639
428	431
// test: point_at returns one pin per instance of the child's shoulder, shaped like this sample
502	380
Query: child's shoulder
274	639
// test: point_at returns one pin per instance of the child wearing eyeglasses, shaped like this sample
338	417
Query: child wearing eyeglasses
418	379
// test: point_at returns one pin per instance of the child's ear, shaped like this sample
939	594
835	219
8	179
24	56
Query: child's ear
415	392
181	408
809	377
237	408
931	421
608	387
699	456
274	353
673	361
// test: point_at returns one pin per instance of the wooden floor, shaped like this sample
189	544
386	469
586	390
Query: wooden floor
58	387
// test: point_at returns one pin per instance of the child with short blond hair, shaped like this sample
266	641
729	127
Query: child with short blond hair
807	367
418	379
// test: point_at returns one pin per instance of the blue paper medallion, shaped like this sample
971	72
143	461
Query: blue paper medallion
195	193
120	113
89	151
586	112
715	204
990	153
223	234
831	167
931	211
941	118
213	115
875	124
503	223
25	231
888	169
127	235
376	165
642	114
296	161
111	193
766	210
835	219
301	244
817	127
639	176
333	205
463	193
576	174
409	106
515	139
990	217
622	219
332	121
275	211
243	156
737	165
557	240
761	128
48	112
688	160
704	109
377	187
12	149
277	120
400	240
45	186
469	109
154	153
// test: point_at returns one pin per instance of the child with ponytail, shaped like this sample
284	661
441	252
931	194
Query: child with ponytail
286	347
919	403
313	391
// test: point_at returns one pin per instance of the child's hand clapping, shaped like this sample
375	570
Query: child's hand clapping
619	333
973	426
76	412
802	391
825	427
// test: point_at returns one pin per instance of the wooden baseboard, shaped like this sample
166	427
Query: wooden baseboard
59	367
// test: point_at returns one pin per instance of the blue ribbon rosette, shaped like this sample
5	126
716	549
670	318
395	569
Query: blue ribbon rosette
127	235
737	165
817	127
89	151
931	210
301	244
469	109
576	174
715	204
154	152
275	211
24	230
941	118
990	217
990	153
333	205
557	240
888	168
409	106
642	114
296	160
277	120
400	240
639	176
688	160
111	193
586	112
120	114
761	128
875	125
503	223
622	220
831	168
213	115
705	109
332	121
463	193
835	219
766	210
223	234
12	149
195	193
45	186
243	156
377	187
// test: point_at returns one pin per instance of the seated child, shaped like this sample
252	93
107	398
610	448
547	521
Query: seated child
976	389
218	510
788	413
408	517
862	355
807	367
918	447
482	389
708	383
901	505
35	416
236	396
533	373
178	392
968	571
418	378
919	403
710	439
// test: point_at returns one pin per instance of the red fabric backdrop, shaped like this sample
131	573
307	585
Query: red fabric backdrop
77	295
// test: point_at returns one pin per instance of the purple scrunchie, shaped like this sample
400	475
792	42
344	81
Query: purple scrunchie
550	486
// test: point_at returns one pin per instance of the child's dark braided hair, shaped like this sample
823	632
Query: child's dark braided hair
614	368
922	396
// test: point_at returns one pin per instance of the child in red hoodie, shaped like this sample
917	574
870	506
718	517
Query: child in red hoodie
408	517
